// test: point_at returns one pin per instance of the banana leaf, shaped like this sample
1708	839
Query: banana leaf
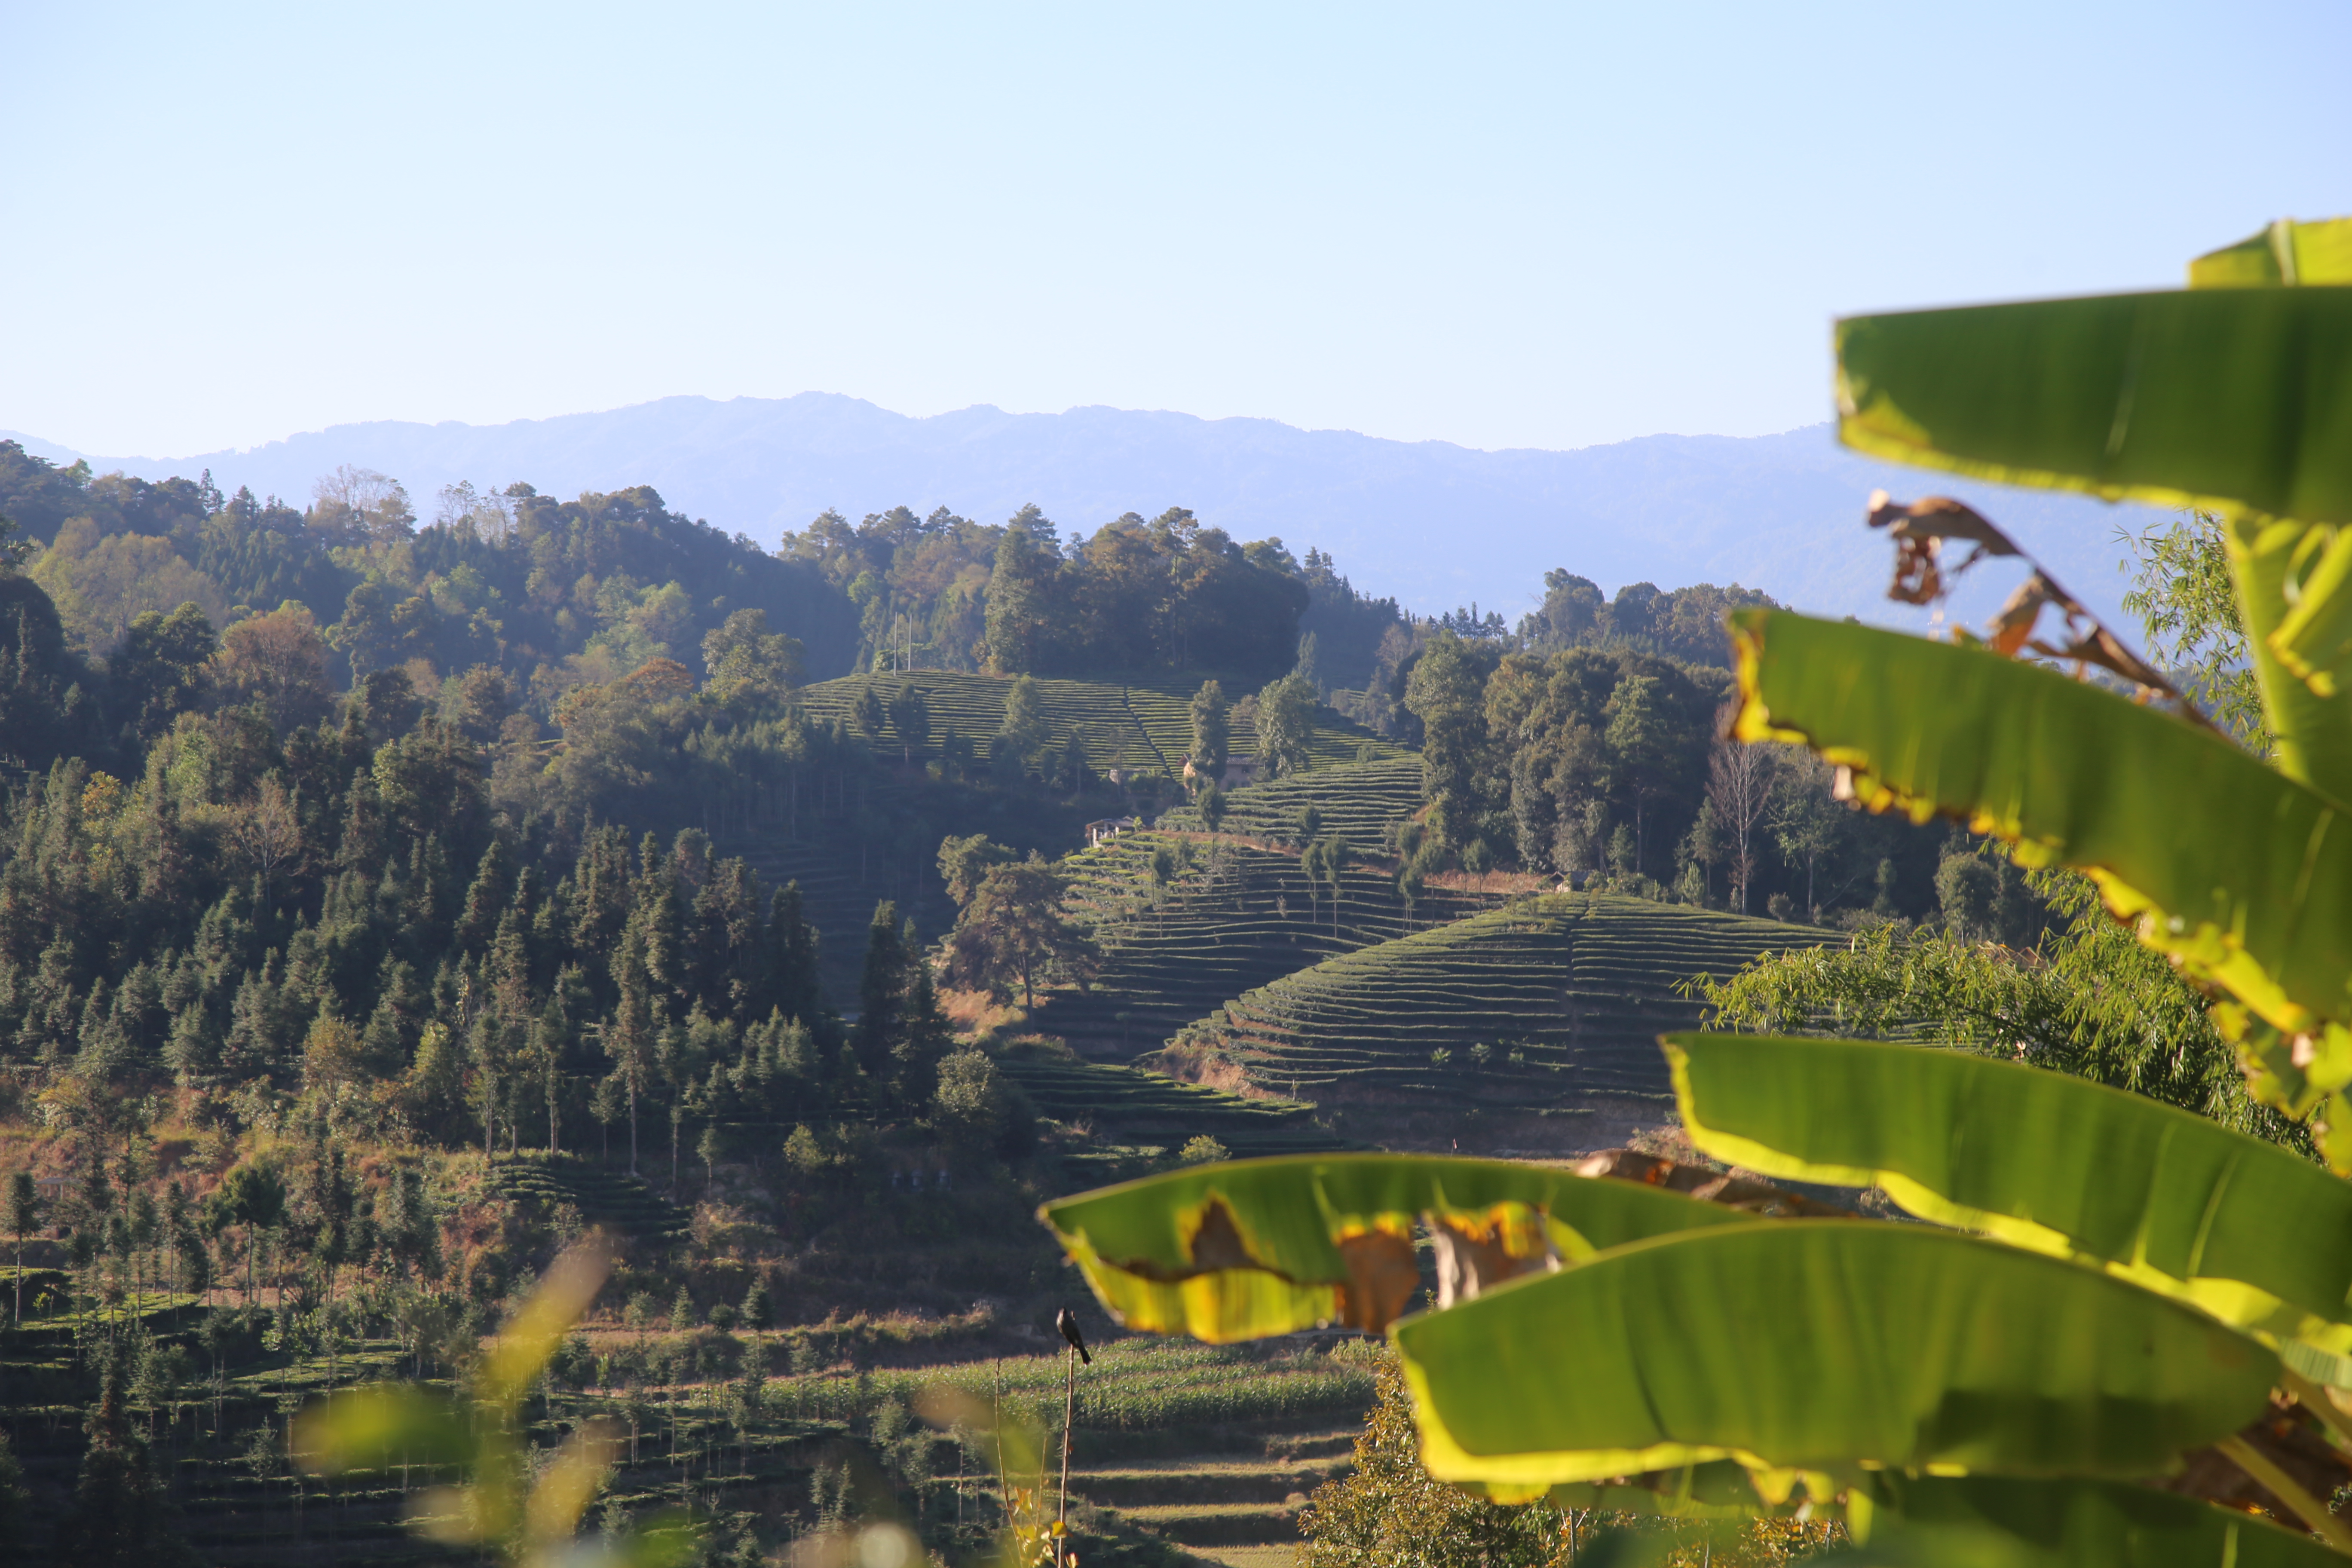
1252	1247
2285	253
1718	1491
2230	399
1823	1345
2242	875
1990	1521
2254	1235
2306	706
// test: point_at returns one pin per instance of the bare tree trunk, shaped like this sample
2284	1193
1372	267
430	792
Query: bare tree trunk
1740	785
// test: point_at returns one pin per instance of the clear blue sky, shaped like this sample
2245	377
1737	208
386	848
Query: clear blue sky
1537	225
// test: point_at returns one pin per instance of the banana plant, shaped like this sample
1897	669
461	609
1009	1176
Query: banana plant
2236	396
2114	1297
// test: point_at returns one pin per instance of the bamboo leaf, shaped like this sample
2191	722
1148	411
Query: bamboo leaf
2254	1235
386	1423
529	1337
1823	1345
1249	1248
2241	874
2230	399
572	1481
1989	1521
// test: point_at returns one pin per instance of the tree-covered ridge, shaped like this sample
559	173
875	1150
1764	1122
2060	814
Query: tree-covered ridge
948	593
340	919
1610	763
1685	623
553	591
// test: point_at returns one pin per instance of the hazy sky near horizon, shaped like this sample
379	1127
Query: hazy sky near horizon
1547	226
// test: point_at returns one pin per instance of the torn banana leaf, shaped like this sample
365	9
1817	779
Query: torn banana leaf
2242	875
2230	399
1823	1345
2258	1237
1252	1247
1990	1521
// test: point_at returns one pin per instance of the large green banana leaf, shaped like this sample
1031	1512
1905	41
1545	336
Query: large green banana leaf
1718	1490
1991	1522
2252	1233
2229	399
1981	1522
1251	1248
2285	252
1821	1345
2241	874
2298	667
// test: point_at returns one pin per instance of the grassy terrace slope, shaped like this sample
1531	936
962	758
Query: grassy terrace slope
1566	992
1142	722
1242	916
1135	1110
1358	801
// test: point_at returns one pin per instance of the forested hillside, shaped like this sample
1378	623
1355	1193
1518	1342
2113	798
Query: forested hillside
385	907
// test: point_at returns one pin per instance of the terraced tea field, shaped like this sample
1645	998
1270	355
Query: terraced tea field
1532	1005
602	1193
1213	1448
1146	723
1241	917
1129	1107
1358	801
1176	1442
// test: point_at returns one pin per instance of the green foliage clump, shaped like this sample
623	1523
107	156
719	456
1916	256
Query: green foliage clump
2087	998
1389	1510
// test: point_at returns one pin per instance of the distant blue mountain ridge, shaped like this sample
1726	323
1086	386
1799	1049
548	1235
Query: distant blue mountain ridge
1434	524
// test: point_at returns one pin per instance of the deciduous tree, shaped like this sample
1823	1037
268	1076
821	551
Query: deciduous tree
1013	928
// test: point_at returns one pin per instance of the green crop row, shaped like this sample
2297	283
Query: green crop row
1234	917
1132	1384
1144	722
1359	800
1537	1002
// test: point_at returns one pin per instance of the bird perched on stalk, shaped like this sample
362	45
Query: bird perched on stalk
1068	1321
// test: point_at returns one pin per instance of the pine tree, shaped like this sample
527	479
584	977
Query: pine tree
24	1216
924	1033
120	1516
758	1311
793	984
629	1036
488	898
1212	735
881	993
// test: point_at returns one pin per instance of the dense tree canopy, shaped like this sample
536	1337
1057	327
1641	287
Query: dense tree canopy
943	592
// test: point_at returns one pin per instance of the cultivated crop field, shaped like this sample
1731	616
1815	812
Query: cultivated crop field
1237	918
1358	801
1534	1004
1145	723
1139	1109
1142	1384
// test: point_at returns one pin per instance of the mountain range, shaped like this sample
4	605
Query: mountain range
1434	524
